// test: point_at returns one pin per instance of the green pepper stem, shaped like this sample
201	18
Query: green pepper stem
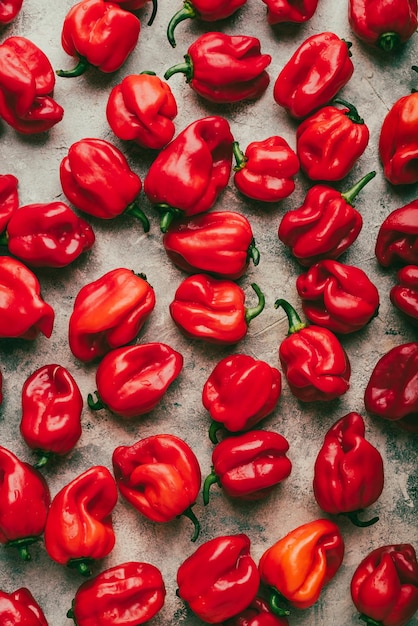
213	430
352	112
153	13
185	13
168	213
275	600
254	311
369	620
388	42
185	68
95	405
22	546
239	156
253	253
78	70
353	517
135	210
70	612
352	193
295	323
211	479
82	565
191	516
43	458
4	239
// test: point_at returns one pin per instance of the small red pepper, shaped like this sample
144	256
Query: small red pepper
220	579
330	141
99	34
134	5
339	297
131	593
132	380
9	198
384	587
24	503
79	526
314	362
225	68
314	74
348	471
109	313
258	613
290	11
9	10
212	309
325	225
267	169
397	239
19	608
160	476
404	295
51	412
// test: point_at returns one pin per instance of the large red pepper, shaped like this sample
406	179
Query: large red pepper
314	74
325	225
19	608
314	362
9	198
24	503
220	243
340	297
51	412
109	312
27	83
290	11
381	24
397	239
9	9
132	380
79	526
384	586
258	613
129	593
23	312
225	68
189	173
404	295
220	579
160	476
213	310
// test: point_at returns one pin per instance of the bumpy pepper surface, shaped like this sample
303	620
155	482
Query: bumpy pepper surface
20	608
404	295
258	613
381	24
9	9
397	239
290	11
9	198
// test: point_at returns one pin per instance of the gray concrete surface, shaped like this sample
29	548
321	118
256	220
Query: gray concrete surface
377	82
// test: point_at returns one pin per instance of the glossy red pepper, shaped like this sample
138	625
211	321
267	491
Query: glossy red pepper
24	503
160	476
19	608
397	239
27	83
340	297
290	11
132	380
190	172
51	412
99	34
213	310
141	108
266	170
9	198
109	313
220	243
384	586
330	141
9	9
314	74
79	527
325	225
220	579
258	613
313	360
225	68
381	24
131	593
404	295
47	235
23	312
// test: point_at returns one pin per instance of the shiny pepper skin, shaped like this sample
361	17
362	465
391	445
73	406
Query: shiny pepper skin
290	11
397	239
9	9
9	198
19	608
258	613
404	295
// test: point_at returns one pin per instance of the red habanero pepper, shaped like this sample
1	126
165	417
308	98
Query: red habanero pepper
258	613
9	9
131	380
99	34
397	239
24	503
109	313
290	11
160	477
9	198
314	362
384	587
266	171
19	608
325	225
219	579
134	5
404	295
51	412
212	309
225	68
129	593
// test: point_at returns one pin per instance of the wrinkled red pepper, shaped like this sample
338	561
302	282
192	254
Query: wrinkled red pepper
9	198
160	476
27	83
212	309
99	34
258	613
51	412
290	11
340	297
19	608
109	313
381	24
23	312
384	587
9	10
131	593
314	74
325	225
132	380
313	360
225	68
219	579
397	239
190	172
24	503
404	295
220	243
266	170
248	466
330	141
79	526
